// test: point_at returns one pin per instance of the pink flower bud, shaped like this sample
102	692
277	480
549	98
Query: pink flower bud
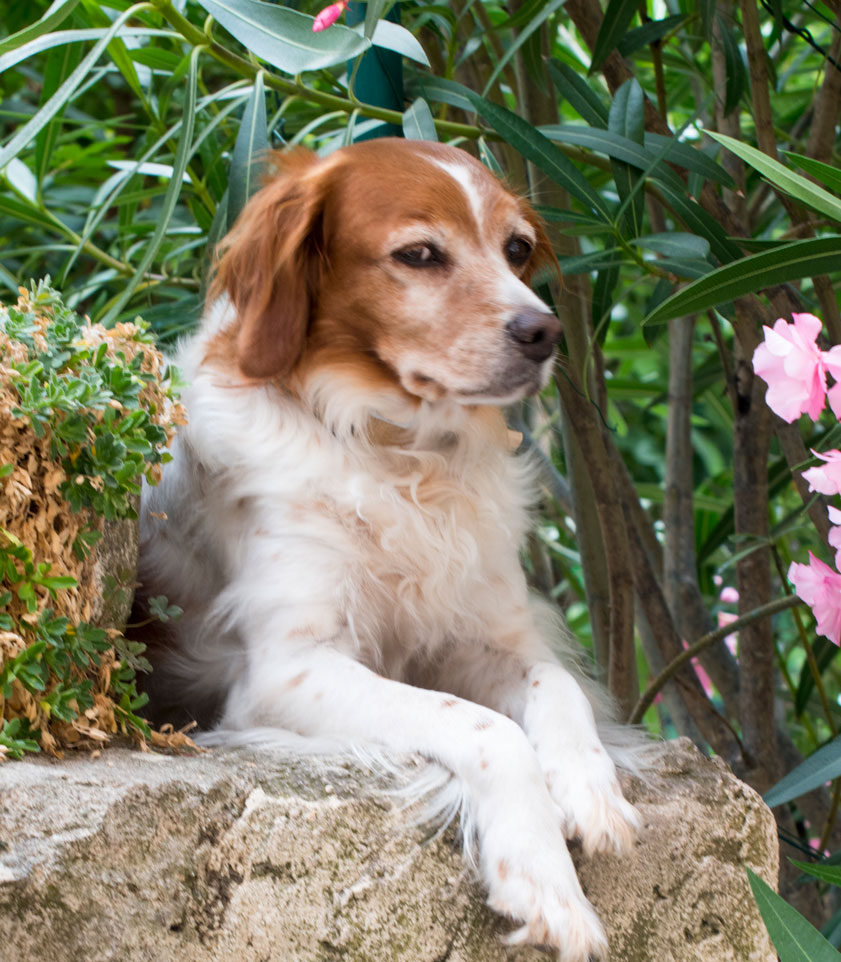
329	15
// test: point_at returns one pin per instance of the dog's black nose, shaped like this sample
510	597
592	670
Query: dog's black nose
535	333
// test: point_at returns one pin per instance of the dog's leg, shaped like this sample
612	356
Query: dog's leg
548	702
524	862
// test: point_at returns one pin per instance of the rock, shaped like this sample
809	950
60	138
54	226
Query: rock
249	857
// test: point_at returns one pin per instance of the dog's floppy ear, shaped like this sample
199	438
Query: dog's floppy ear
270	264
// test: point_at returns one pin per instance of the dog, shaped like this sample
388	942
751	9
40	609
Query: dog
342	515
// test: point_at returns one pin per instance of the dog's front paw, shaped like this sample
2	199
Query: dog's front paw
591	804
554	912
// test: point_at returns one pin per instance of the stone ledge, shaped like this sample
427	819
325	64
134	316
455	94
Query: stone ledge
252	857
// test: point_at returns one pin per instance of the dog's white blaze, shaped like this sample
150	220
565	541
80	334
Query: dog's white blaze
463	176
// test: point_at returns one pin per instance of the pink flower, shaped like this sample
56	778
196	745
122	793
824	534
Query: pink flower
329	15
820	587
834	536
791	363
825	478
729	595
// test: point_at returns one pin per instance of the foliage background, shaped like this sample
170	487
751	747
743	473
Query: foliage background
128	134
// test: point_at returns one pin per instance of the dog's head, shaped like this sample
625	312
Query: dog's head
410	256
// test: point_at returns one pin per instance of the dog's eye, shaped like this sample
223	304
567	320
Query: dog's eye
517	250
420	255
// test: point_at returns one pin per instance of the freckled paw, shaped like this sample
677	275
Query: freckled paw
597	814
554	916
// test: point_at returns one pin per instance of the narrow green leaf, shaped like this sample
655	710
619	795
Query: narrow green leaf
284	37
392	36
801	188
534	24
692	158
581	98
675	244
179	165
487	157
827	175
541	152
700	222
443	91
626	116
25	213
251	143
806	258
418	123
620	148
648	33
25	134
47	41
617	19
795	939
826	873
626	120
57	13
374	10
816	770
60	64
734	66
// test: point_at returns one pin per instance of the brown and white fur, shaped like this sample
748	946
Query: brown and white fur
342	517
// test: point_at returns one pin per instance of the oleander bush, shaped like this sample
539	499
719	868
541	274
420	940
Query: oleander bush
684	154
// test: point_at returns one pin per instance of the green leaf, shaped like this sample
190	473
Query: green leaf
795	185
648	33
537	148
816	770
734	66
534	24
60	64
487	157
173	190
806	258
826	873
30	129
617	19
829	176
645	157
441	90
374	10
392	36
251	143
700	222
39	45
626	120
284	37
418	123
795	939
54	17
581	98
675	244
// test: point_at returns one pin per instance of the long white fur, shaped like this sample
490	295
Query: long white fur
322	572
